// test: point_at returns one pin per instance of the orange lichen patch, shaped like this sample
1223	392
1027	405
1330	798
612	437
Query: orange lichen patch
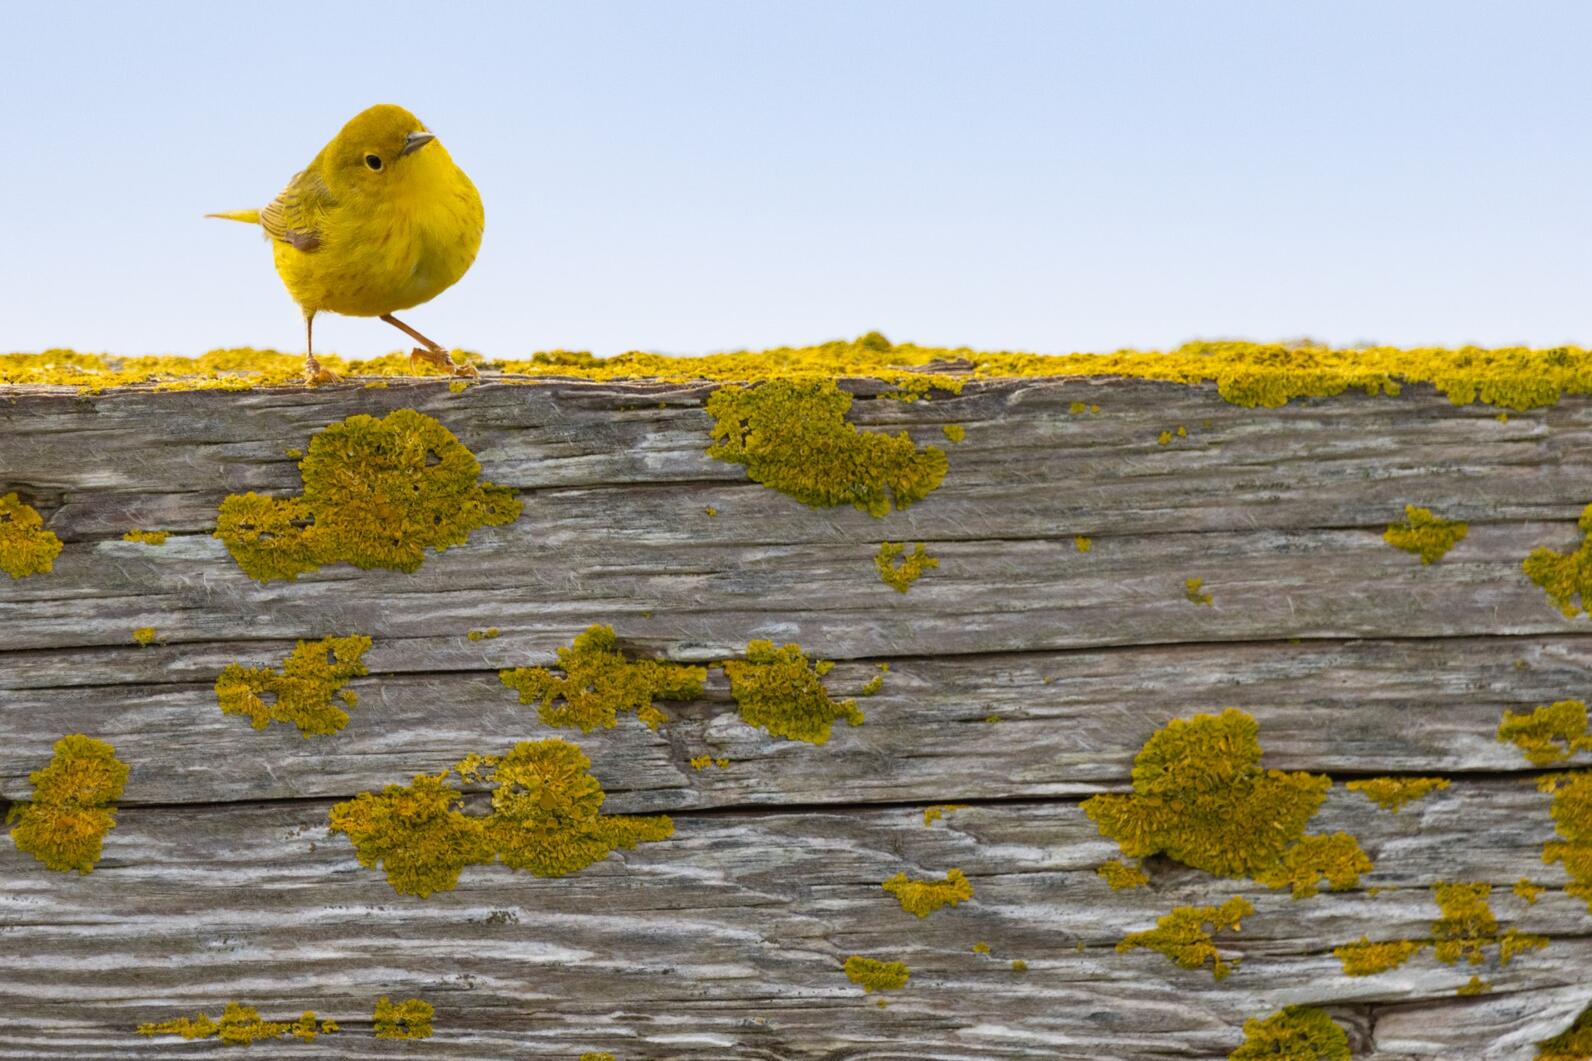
1367	959
1468	927
794	437
954	432
377	493
483	635
1297	1033
1572	815
780	690
874	975
144	635
64	824
1565	577
899	574
599	682
1393	793
940	810
1192	591
302	692
923	897
409	1019
1200	797
1122	876
1551	734
1185	935
239	1025
1572	1044
1424	534
1082	544
147	537
1528	891
1472	987
26	548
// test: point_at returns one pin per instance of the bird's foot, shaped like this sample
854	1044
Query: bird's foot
316	376
440	359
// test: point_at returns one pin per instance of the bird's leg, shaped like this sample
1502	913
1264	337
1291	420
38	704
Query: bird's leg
428	351
314	374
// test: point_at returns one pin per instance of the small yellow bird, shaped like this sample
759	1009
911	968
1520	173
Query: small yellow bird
380	220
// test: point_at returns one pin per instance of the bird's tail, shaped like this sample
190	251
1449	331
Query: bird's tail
248	217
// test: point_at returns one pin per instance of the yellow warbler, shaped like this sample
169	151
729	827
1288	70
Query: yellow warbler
379	221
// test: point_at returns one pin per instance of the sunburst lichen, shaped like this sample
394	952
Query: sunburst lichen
1297	1033
302	692
144	635
794	437
1082	544
779	690
1019	966
954	432
1467	926
940	810
147	537
1183	936
1393	793
1552	733
589	1056
483	635
1572	1044
599	682
1366	958
1122	876
377	493
1528	891
418	834
1201	797
900	574
1572	815
1424	534
1565	577
1193	592
409	1019
981	948
239	1025
874	975
1473	987
72	808
923	897
26	548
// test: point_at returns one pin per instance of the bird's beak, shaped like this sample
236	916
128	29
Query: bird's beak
414	142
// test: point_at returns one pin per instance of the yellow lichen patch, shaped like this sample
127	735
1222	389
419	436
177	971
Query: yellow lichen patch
1077	408
239	1025
1552	733
1367	959
1472	987
872	686
1193	592
1297	1033
1019	966
900	574
72	808
302	692
1467	927
144	635
1393	793
1425	535
1572	815
1528	891
147	537
710	511
1082	544
1164	438
483	635
954	432
1200	797
589	1056
874	975
26	548
923	897
779	690
599	682
1122	876
377	493
1185	934
940	810
418	834
409	1019
981	948
1565	577
1572	1044
794	437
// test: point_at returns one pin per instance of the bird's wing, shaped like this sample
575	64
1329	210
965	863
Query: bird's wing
295	216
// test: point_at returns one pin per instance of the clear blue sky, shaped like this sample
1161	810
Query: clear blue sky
691	176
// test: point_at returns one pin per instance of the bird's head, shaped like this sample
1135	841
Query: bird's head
383	151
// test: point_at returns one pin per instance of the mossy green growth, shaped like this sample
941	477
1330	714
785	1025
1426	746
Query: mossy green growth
72	808
377	493
1366	958
923	897
1565	577
239	1025
899	574
26	548
302	692
874	975
1551	734
1185	935
599	682
1122	876
409	1019
1572	815
1394	793
1424	534
1297	1033
780	690
1201	797
793	436
1572	1044
147	537
546	818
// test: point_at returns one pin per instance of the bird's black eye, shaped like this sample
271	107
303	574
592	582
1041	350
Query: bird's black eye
373	161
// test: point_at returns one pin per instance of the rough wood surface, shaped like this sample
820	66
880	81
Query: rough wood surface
221	880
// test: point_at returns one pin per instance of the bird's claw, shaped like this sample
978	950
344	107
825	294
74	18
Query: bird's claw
316	376
440	359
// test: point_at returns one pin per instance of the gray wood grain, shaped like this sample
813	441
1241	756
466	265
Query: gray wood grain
725	942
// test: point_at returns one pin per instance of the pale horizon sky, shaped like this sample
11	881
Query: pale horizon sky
696	176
